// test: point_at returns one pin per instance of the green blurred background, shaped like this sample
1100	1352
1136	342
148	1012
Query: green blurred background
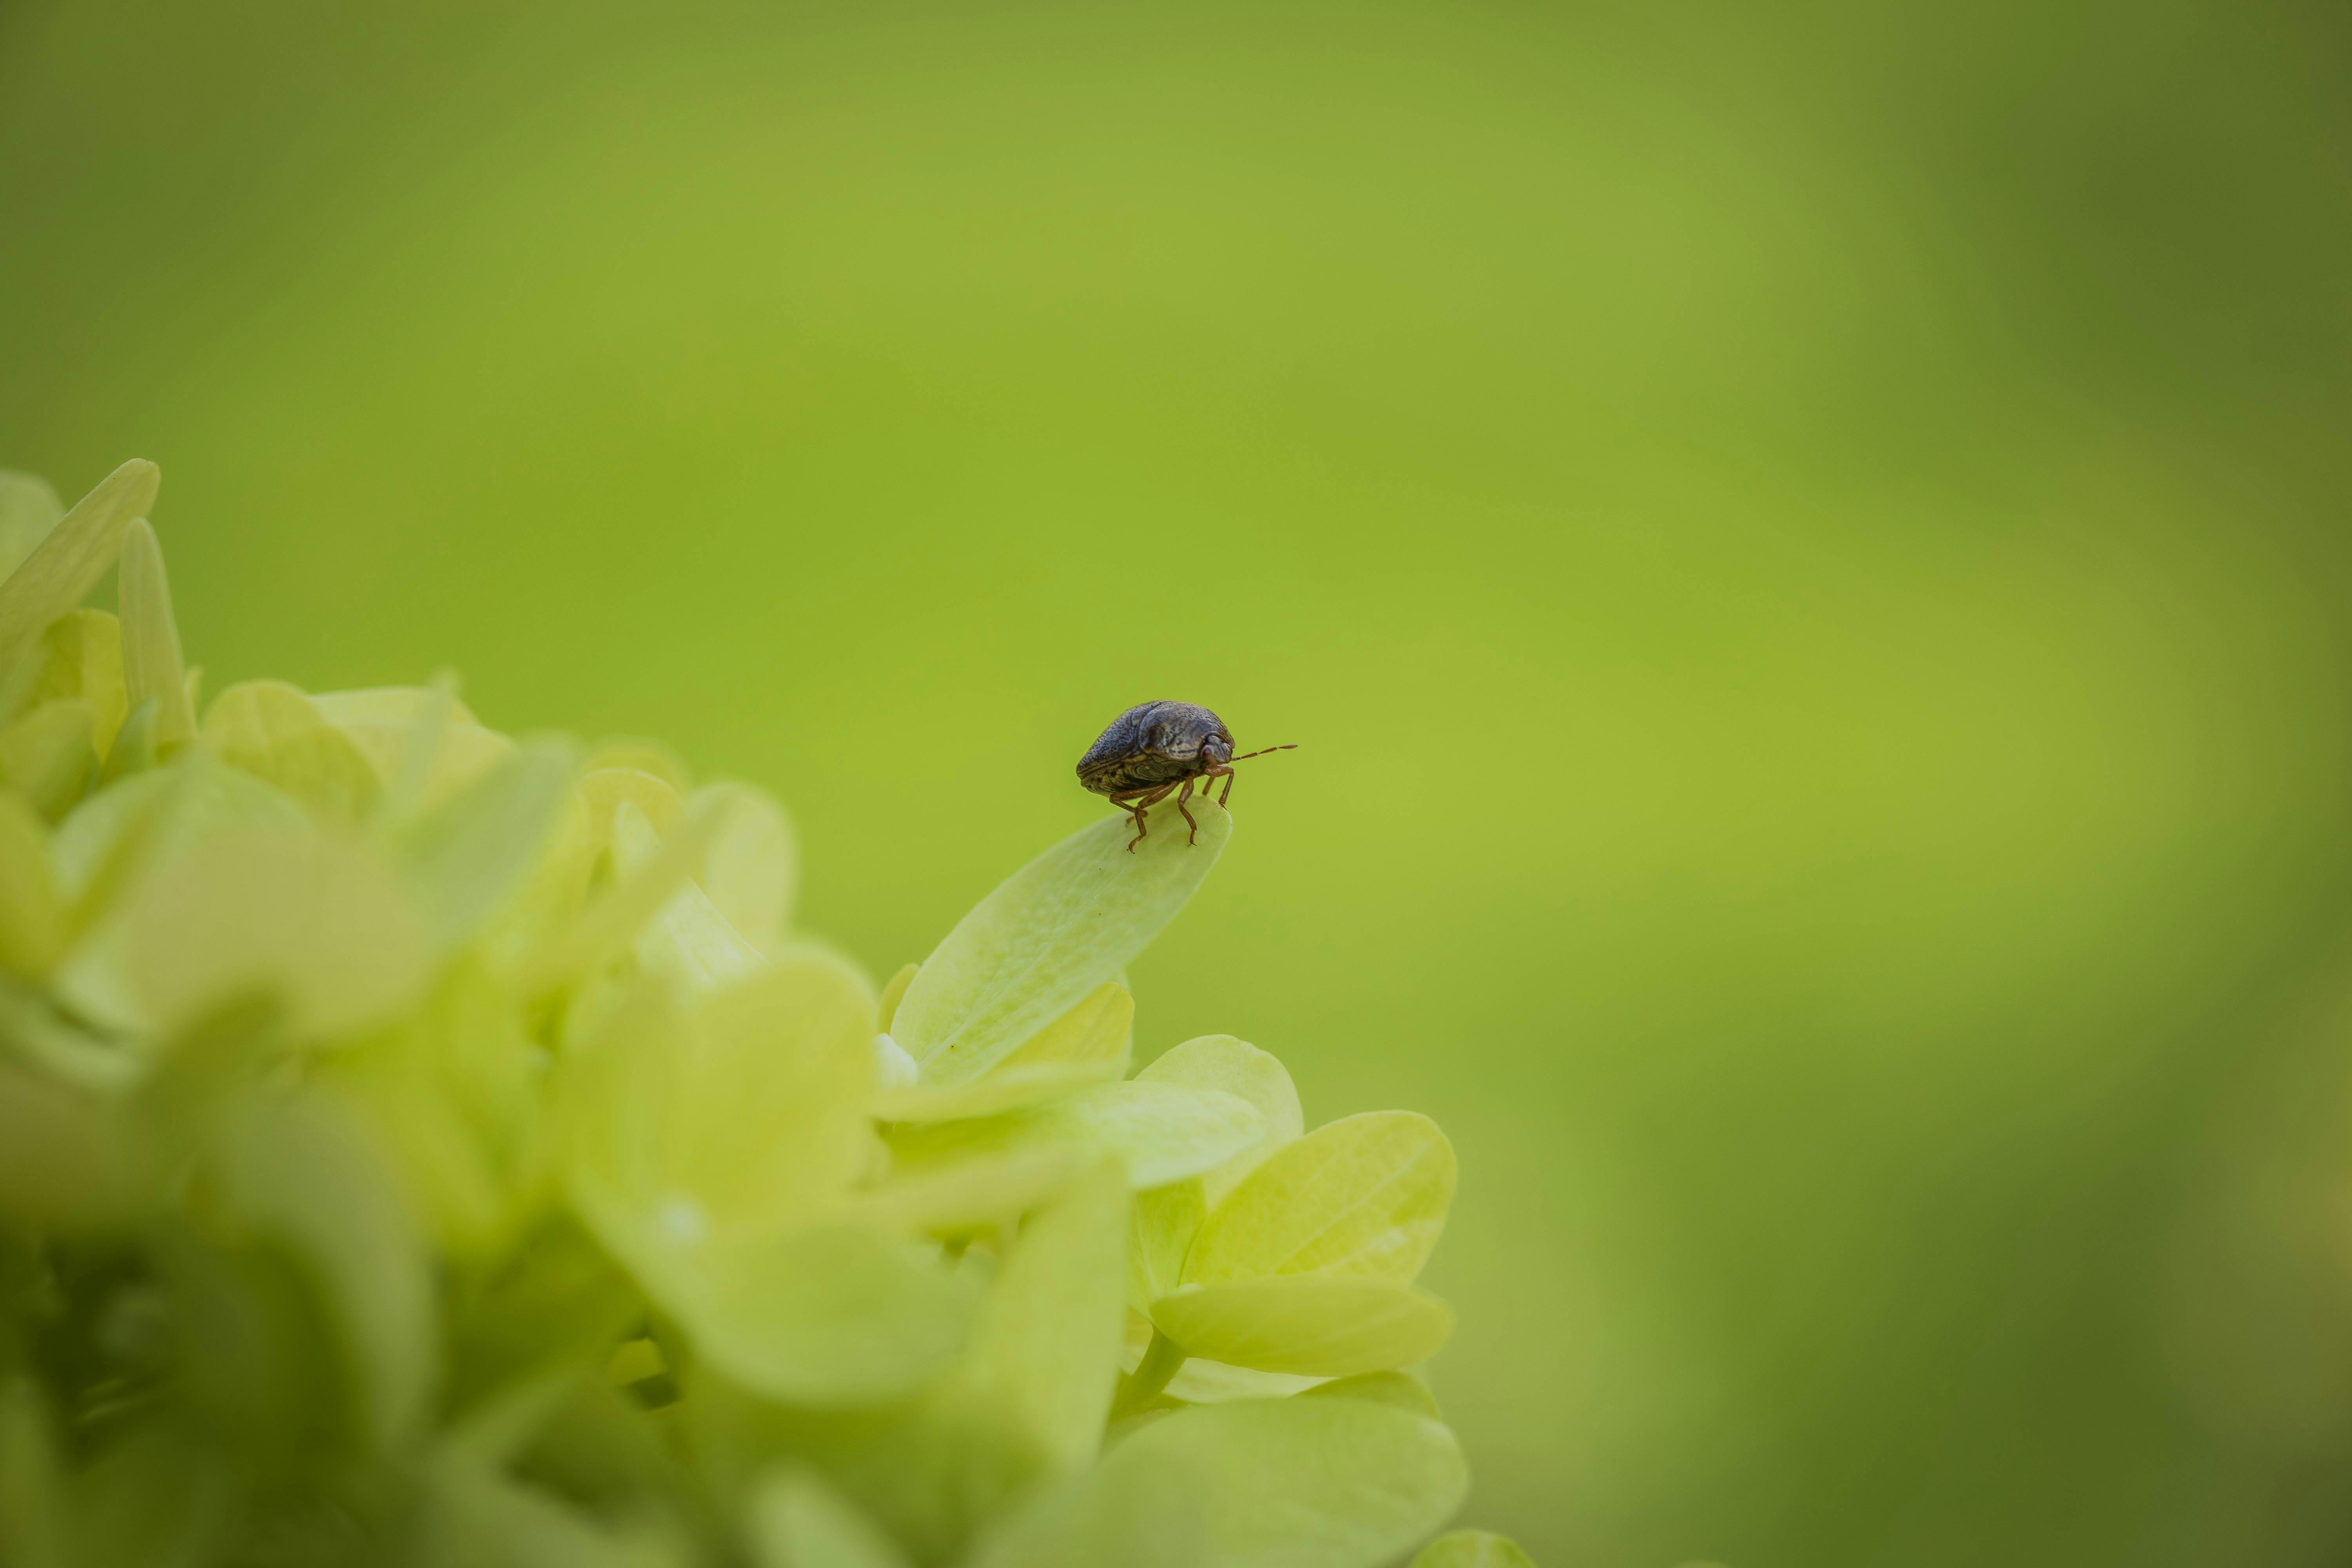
1805	547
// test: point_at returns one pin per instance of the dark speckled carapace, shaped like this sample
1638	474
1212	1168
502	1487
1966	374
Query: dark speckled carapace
1156	747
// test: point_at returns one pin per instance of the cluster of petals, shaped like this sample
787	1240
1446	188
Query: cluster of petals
418	1137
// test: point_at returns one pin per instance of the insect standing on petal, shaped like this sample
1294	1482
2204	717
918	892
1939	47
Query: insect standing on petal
1158	748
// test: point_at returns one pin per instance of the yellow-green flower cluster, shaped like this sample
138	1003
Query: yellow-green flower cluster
420	1146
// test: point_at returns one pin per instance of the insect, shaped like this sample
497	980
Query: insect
1154	748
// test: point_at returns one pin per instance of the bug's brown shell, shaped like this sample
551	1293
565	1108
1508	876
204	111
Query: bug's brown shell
1154	743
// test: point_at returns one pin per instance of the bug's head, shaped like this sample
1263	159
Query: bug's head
1218	748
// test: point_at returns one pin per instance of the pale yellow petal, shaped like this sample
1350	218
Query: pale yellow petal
1160	1132
318	924
126	835
455	1092
407	789
1089	1045
1473	1549
832	1316
423	744
1398	1390
152	668
965	1196
275	732
1044	1358
468	859
893	1068
609	922
393	706
73	556
1364	1196
1256	1483
743	1114
46	756
892	994
1238	1068
130	829
656	801
794	1519
688	940
1051	933
1200	1381
640	753
771	1114
134	750
753	864
299	1171
1165	1221
81	656
1003	1088
32	914
1309	1325
1099	1029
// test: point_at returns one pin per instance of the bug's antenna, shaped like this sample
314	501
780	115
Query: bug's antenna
1262	751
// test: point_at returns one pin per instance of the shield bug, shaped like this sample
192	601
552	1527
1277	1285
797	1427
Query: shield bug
1155	747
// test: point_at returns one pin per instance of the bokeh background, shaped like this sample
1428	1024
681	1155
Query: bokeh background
1805	546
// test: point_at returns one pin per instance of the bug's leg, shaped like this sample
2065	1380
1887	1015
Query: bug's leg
1181	796
1134	807
1135	818
1227	774
1142	825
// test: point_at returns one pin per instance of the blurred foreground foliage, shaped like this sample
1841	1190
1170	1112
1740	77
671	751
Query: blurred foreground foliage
422	1146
